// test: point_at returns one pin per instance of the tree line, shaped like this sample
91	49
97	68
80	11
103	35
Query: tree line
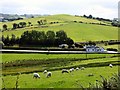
24	24
39	38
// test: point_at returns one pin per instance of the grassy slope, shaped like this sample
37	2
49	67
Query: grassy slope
78	32
59	80
59	18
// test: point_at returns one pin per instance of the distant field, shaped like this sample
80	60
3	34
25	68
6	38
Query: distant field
53	18
77	31
59	80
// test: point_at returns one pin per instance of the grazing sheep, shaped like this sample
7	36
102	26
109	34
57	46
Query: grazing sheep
90	75
82	68
65	71
49	74
72	69
110	65
45	71
77	68
36	75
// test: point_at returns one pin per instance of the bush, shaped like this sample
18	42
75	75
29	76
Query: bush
106	84
112	49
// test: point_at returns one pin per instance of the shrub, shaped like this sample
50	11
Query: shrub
112	49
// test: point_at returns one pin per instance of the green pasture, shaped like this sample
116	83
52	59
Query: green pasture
78	32
59	80
53	18
7	57
31	62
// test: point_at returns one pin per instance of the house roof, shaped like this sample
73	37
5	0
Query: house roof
92	46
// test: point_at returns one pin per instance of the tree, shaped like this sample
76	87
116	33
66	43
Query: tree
4	27
41	22
13	40
33	38
50	38
17	41
15	26
22	24
61	37
90	16
7	41
29	23
69	42
84	16
38	22
3	38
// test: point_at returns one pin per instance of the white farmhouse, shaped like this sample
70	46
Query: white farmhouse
92	48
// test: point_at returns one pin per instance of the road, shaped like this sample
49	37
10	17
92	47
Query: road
52	52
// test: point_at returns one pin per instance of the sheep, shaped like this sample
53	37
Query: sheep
82	68
65	71
90	75
36	75
77	68
49	74
45	71
110	65
72	69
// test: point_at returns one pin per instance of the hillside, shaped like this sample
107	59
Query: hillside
77	27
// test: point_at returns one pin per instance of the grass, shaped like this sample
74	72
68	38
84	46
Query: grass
77	31
59	80
53	18
112	46
31	65
14	56
55	62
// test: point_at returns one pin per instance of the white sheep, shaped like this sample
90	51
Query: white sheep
110	65
36	75
65	71
77	68
45	71
72	69
49	74
82	68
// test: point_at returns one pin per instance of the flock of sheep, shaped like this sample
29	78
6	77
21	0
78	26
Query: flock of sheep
49	74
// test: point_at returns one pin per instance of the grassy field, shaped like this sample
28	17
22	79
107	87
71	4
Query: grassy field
55	63
59	80
53	18
14	56
13	63
77	31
